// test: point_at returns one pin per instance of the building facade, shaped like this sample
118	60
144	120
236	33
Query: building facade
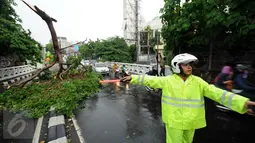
62	42
131	9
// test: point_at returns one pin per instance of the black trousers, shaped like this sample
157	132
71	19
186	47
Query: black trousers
162	72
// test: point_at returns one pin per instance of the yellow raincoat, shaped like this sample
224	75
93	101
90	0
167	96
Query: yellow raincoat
183	108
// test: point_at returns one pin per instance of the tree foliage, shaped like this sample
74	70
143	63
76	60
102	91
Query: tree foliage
111	49
49	47
13	38
225	25
37	99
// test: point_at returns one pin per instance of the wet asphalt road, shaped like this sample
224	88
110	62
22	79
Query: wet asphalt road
122	114
129	114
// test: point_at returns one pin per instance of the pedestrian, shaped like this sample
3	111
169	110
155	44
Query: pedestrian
162	66
182	100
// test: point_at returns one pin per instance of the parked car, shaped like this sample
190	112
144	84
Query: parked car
85	62
101	68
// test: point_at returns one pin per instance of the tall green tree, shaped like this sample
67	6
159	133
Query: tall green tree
201	25
111	49
13	38
86	51
49	47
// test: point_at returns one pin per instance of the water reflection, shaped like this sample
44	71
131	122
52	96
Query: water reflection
133	113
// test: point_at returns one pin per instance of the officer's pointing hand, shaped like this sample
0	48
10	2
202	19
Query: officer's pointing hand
249	105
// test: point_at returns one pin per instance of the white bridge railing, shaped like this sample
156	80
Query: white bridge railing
139	68
12	72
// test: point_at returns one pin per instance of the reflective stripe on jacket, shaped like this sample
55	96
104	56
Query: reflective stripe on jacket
183	101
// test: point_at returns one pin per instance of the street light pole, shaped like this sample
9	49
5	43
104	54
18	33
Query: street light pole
157	36
138	46
148	47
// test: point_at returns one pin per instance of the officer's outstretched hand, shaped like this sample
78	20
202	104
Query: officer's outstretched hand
250	106
126	79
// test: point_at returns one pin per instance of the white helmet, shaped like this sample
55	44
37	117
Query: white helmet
182	58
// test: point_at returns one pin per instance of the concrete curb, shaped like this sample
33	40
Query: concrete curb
56	128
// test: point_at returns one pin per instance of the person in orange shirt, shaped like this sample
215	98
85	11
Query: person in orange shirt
115	66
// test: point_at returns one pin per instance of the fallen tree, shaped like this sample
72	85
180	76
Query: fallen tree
49	21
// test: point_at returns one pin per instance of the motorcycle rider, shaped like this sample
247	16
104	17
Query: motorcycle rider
240	78
123	70
224	79
115	66
241	83
183	94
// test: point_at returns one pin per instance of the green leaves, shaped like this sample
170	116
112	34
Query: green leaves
245	29
111	49
225	23
13	38
38	98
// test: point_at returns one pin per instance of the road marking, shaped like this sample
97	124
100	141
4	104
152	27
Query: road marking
60	140
78	130
58	120
52	108
37	130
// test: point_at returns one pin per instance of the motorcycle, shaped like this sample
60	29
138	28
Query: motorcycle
117	73
121	73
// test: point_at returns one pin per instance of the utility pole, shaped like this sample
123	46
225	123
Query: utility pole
148	46
138	46
157	36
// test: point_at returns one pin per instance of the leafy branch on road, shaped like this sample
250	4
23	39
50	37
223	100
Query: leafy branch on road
64	95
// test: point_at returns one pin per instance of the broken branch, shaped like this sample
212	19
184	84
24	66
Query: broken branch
23	83
59	59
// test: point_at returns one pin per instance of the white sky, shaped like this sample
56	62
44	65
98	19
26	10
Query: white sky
81	19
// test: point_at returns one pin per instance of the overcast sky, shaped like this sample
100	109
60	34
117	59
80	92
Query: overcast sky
81	19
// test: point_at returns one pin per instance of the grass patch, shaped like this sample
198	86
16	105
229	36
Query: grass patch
64	95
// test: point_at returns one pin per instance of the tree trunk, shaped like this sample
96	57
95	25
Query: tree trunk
56	47
49	22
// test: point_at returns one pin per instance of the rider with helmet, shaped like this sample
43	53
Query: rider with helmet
240	78
115	67
241	85
124	70
224	79
183	108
